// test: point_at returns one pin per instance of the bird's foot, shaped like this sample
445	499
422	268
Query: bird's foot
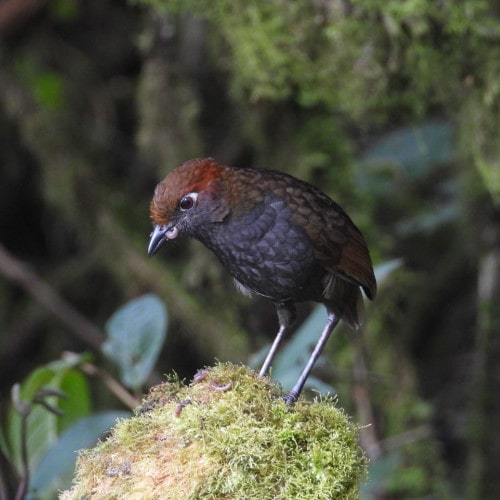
290	398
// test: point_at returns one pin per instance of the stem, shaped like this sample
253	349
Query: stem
22	489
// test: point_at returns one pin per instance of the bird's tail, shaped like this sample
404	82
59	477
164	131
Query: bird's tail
346	300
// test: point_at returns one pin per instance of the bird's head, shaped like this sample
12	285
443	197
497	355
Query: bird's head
186	201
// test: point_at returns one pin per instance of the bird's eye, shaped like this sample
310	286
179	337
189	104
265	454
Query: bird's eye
187	202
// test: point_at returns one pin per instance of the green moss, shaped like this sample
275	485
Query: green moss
228	435
364	58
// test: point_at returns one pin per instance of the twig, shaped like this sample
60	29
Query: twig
115	387
16	271
405	438
362	399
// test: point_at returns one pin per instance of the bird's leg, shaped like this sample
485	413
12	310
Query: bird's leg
272	352
331	323
286	316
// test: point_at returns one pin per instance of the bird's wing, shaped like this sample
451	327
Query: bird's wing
338	244
342	249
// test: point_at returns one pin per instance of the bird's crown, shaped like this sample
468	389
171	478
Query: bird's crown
193	176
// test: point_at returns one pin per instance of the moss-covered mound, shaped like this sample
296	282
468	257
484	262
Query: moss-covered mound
226	435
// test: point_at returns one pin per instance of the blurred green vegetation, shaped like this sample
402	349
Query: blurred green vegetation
392	108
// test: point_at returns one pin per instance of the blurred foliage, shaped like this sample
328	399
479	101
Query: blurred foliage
50	416
135	336
56	469
47	86
349	56
46	404
392	108
59	376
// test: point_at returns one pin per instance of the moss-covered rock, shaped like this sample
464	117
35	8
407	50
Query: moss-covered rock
226	435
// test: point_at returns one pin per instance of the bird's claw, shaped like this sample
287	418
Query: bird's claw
290	398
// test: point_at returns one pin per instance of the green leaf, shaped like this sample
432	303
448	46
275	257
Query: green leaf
136	333
383	270
415	148
408	153
59	461
295	353
77	402
381	471
43	425
293	356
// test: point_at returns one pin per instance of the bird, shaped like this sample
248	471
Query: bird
278	236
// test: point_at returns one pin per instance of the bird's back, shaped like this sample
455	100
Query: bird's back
286	240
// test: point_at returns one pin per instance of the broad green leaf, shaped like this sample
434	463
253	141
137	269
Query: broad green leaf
407	153
295	353
381	472
59	461
383	270
43	425
78	399
136	333
416	149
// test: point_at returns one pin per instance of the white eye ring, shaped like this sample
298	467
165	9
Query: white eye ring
172	233
188	201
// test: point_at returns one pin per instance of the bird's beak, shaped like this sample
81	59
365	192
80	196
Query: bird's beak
157	239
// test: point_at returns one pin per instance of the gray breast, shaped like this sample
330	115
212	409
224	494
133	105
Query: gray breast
266	252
